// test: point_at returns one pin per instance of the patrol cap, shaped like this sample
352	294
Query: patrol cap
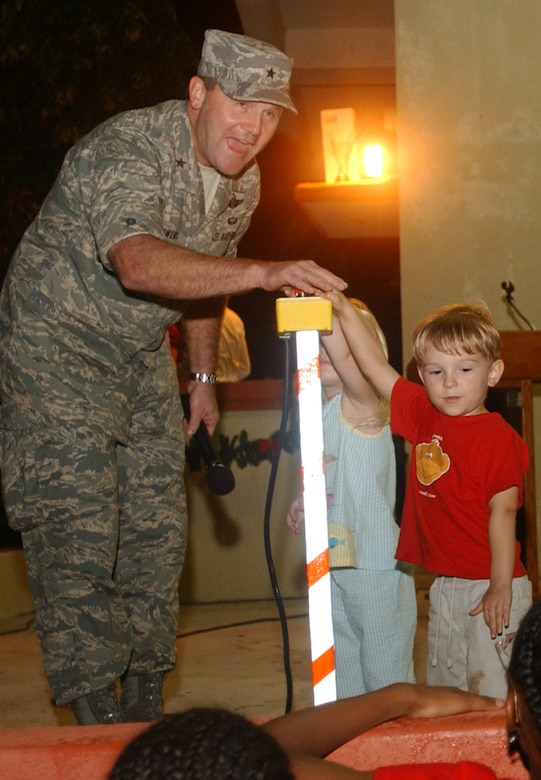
246	69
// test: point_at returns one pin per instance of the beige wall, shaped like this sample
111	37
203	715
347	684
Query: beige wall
469	134
469	122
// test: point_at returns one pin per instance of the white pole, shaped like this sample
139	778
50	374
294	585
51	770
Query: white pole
315	516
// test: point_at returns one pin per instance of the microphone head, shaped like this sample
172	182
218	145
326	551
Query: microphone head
220	479
509	287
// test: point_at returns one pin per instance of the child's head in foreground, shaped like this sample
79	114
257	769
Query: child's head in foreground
202	743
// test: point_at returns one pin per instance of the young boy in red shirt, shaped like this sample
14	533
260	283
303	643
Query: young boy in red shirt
464	488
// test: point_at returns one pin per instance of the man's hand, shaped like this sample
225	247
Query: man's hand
203	406
293	275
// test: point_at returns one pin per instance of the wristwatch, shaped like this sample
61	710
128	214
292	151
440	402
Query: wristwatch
202	376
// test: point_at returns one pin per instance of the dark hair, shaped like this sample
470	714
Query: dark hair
525	666
202	744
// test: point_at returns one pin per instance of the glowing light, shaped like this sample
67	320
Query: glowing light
373	160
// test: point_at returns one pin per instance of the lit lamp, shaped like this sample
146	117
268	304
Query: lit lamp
373	161
359	197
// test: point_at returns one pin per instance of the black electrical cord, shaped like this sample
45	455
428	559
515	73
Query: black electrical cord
266	533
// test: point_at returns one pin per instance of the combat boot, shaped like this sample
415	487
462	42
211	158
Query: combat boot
141	697
99	707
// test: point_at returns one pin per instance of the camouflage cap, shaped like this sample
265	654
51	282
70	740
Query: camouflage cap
246	69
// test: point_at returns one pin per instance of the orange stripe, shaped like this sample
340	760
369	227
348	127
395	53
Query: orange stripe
323	666
317	568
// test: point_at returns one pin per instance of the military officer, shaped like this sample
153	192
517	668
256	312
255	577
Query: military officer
141	227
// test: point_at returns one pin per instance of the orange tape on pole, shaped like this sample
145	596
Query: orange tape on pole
317	568
323	666
315	516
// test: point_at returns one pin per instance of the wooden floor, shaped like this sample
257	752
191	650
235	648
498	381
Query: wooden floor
229	654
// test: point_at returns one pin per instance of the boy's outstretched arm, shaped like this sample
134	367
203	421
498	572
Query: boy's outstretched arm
496	603
355	387
364	347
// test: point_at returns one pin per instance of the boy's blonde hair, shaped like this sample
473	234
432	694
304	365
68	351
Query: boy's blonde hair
459	327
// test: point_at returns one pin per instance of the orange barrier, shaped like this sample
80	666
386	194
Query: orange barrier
88	752
478	737
63	752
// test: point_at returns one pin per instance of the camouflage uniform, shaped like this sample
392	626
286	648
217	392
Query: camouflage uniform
92	443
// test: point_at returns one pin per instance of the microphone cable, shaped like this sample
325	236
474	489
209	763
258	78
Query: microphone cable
266	532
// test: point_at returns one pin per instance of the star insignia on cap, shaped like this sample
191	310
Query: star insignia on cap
270	73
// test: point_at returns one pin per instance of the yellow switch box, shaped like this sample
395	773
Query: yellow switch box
303	313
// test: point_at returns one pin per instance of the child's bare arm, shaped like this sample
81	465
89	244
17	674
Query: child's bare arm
364	347
355	386
496	603
317	731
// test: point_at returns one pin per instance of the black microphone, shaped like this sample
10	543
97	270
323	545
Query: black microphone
219	477
509	288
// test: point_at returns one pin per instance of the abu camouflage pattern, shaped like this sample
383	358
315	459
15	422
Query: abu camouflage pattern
91	439
246	69
98	494
135	174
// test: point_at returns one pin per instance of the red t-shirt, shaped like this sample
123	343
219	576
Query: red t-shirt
464	770
457	465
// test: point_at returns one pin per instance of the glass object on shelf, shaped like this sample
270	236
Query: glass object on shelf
339	145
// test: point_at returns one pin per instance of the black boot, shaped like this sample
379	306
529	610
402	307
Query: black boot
99	707
141	697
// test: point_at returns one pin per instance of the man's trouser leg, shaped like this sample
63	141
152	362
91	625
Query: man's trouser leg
70	556
152	539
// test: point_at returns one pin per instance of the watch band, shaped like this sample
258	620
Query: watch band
202	376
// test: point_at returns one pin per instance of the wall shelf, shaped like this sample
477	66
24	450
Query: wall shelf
352	210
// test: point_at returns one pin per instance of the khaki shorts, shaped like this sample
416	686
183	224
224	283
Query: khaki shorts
461	651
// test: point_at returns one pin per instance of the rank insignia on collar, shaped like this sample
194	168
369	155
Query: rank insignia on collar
180	163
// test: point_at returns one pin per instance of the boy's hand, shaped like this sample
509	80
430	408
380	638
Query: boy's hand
295	516
496	608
